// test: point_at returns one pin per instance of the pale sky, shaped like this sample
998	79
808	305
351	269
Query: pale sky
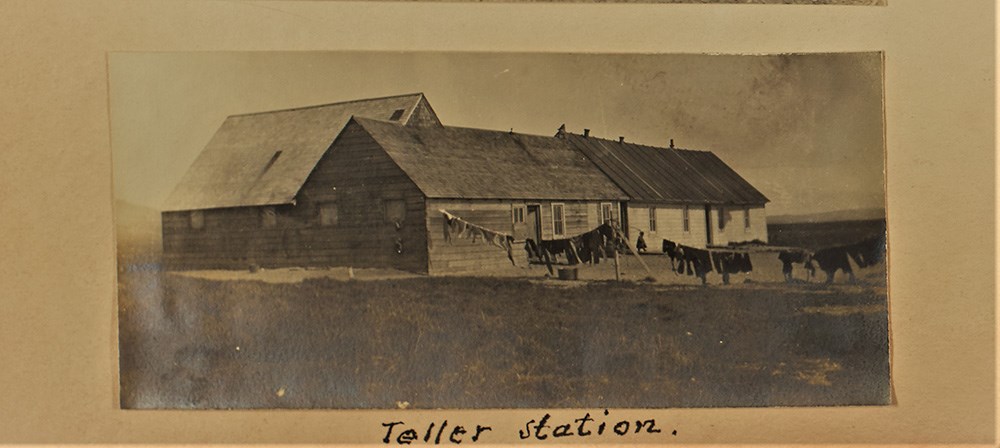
806	130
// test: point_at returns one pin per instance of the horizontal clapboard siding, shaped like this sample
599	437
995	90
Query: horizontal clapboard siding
358	177
462	256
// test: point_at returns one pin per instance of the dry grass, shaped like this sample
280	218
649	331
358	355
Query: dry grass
496	343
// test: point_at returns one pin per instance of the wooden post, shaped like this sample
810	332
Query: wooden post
618	272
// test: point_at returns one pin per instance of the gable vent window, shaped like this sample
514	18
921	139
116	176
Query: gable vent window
397	114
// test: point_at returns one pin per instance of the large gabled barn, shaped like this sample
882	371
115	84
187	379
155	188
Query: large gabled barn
364	184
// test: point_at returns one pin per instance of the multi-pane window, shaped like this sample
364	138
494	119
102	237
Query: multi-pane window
558	220
517	215
652	219
746	218
328	214
687	219
606	215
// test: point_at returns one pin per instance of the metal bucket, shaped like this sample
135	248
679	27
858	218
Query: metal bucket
567	274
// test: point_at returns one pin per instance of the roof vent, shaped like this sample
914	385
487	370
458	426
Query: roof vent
621	139
562	131
671	143
586	132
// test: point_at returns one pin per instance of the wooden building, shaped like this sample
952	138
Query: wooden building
364	184
690	197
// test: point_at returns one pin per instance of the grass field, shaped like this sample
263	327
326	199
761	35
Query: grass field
496	343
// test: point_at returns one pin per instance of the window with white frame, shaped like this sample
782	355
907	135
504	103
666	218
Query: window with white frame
558	220
606	213
652	219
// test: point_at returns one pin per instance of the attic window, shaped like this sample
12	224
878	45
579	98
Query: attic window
397	114
274	158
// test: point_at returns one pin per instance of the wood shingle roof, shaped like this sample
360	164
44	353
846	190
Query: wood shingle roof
264	158
464	163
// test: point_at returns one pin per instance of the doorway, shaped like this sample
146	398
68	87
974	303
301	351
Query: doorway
534	223
708	225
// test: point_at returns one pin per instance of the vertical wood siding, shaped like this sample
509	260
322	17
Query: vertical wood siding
358	177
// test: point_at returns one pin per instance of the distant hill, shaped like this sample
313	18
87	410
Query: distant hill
864	214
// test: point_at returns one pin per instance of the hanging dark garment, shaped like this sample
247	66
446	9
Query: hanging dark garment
787	258
833	258
873	249
717	261
747	263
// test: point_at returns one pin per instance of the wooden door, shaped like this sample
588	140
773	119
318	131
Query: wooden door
708	225
534	222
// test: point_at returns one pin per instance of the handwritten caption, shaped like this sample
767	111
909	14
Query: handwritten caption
544	428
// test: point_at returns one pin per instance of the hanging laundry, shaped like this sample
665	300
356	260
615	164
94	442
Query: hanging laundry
831	260
458	228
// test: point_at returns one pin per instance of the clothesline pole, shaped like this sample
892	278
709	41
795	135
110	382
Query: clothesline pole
641	261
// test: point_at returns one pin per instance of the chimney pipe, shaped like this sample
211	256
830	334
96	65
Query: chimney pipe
586	132
671	143
621	139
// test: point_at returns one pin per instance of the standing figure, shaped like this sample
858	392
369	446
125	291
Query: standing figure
640	243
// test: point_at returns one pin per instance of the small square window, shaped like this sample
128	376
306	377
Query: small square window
197	219
397	114
328	214
268	218
395	210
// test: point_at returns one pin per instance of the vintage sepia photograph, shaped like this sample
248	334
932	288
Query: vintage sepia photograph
421	230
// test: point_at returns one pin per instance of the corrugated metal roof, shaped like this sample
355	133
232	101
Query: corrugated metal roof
648	173
264	158
451	162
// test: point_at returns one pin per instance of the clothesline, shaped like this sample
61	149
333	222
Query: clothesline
455	227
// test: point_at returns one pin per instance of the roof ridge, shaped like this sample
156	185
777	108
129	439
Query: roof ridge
337	103
643	145
453	128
